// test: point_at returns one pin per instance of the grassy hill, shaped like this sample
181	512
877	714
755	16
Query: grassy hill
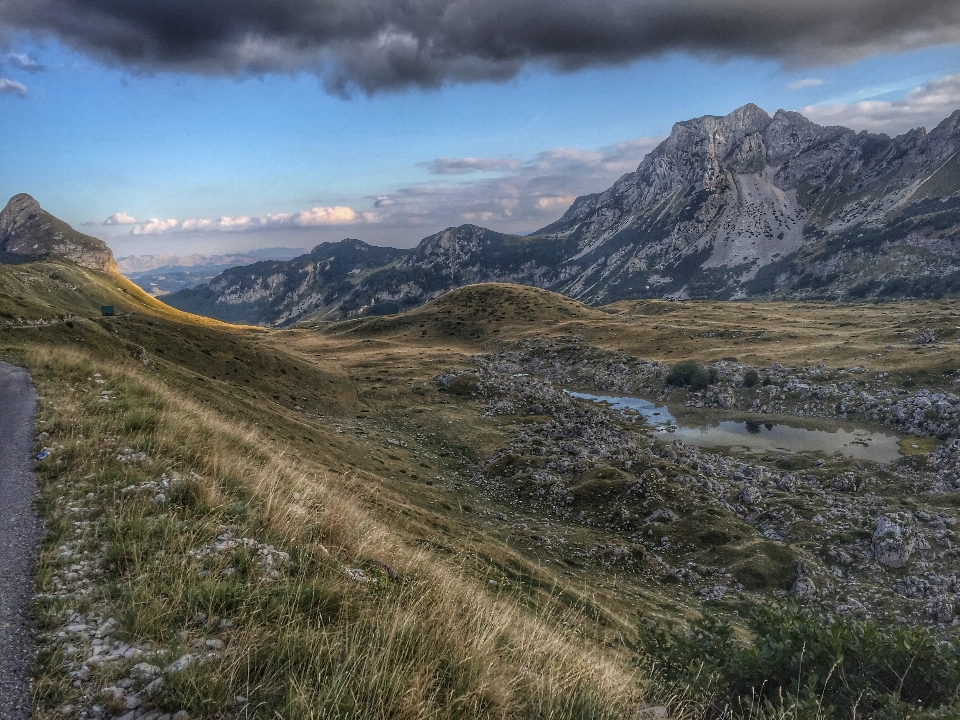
386	607
336	520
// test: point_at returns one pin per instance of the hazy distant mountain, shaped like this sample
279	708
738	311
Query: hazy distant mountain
164	274
133	264
745	205
276	291
28	232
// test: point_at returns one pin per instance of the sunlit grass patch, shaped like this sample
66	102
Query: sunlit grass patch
915	445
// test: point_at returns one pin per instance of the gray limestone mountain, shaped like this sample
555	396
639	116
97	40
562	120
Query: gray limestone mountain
28	233
745	205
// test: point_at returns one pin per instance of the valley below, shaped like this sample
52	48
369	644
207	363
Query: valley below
415	515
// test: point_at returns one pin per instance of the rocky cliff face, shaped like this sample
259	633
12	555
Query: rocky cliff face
28	233
724	197
745	205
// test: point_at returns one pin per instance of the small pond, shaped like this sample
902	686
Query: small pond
843	438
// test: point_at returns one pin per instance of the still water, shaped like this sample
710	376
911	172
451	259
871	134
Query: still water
843	438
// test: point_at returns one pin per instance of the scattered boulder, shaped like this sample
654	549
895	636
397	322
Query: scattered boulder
652	712
893	541
663	515
749	495
804	589
941	608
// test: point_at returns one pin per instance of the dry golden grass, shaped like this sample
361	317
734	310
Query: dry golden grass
427	642
288	432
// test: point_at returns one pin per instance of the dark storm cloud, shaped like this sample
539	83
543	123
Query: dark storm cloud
382	44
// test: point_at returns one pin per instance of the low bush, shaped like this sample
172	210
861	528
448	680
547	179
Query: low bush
801	663
689	374
750	378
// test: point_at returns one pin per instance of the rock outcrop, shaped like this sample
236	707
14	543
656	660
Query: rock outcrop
29	233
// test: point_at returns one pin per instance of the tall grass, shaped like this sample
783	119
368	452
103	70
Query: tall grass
410	636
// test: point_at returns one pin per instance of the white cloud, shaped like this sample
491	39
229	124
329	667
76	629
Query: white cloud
527	194
154	227
24	62
314	217
120	218
554	202
13	87
805	83
324	216
924	106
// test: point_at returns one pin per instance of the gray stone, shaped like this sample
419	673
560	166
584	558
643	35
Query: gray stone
804	589
180	664
29	232
893	541
652	712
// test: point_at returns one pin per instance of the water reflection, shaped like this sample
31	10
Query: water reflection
843	438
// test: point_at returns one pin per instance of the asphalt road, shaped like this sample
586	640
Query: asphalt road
20	533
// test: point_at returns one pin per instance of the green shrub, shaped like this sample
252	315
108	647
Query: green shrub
750	378
800	659
689	374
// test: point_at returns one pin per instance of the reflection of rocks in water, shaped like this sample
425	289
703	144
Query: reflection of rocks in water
749	435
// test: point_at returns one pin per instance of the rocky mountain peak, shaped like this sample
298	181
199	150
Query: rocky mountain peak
19	211
29	233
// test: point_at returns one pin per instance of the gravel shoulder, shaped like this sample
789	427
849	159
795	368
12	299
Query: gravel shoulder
20	532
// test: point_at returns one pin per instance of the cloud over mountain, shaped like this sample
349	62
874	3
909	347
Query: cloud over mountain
923	106
519	196
120	218
313	217
373	45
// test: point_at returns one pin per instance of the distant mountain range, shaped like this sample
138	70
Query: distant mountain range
163	274
135	264
741	206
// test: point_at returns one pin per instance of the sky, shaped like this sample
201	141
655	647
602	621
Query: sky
212	126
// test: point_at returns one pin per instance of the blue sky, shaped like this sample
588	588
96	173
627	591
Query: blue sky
285	161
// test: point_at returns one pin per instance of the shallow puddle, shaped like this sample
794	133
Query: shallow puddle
843	438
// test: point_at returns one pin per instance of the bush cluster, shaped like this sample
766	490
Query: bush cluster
689	374
801	663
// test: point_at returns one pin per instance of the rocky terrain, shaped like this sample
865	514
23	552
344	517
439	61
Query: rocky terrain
745	205
29	233
727	527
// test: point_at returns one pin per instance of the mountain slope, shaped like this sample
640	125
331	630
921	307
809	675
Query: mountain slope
28	233
724	208
723	197
275	292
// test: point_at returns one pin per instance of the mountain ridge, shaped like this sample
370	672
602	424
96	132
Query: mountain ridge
727	207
